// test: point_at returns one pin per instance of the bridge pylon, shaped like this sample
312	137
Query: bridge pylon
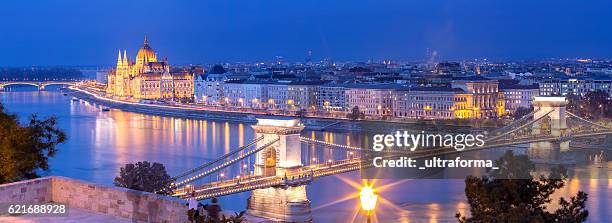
285	155
554	108
556	125
284	204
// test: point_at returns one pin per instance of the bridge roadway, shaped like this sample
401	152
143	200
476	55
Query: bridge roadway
299	176
306	174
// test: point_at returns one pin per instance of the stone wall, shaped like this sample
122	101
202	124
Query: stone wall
29	191
121	202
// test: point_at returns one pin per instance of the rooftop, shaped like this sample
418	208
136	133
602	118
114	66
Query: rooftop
443	89
471	78
522	87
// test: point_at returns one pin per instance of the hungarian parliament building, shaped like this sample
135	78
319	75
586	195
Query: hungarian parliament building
148	78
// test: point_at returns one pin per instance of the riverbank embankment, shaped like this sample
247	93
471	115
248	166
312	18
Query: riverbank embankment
311	123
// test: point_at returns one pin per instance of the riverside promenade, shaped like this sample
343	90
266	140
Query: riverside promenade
194	112
311	123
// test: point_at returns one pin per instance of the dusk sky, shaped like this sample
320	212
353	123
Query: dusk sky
77	32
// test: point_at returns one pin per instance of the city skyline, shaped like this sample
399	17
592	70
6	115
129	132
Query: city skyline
78	33
364	111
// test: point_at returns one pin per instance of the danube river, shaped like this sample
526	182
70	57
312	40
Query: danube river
100	143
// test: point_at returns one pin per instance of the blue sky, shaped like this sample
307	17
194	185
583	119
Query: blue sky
71	32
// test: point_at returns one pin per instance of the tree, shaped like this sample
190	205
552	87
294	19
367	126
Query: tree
355	114
145	176
522	111
511	194
598	103
25	149
574	104
594	104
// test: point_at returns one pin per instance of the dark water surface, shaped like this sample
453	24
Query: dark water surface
101	142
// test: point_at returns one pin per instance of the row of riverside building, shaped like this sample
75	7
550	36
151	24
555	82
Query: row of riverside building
466	98
443	96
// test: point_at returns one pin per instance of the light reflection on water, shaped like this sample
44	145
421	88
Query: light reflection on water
101	142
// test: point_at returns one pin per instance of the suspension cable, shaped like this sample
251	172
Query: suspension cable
217	159
230	162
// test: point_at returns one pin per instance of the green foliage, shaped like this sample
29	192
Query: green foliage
511	194
25	149
145	176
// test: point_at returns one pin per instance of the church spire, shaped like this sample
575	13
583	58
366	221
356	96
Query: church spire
119	63
146	41
125	61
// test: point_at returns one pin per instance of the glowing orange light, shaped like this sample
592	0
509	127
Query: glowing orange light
368	198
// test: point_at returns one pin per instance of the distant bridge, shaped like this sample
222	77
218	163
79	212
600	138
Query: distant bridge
40	84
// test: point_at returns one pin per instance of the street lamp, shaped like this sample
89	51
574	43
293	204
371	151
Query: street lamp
368	201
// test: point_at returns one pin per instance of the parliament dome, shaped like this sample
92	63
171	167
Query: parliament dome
146	53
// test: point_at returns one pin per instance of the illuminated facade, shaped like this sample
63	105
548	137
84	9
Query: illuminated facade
291	96
483	99
464	106
247	94
519	96
332	97
374	100
425	103
575	86
148	78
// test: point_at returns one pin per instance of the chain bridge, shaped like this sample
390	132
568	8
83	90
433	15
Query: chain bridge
275	169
